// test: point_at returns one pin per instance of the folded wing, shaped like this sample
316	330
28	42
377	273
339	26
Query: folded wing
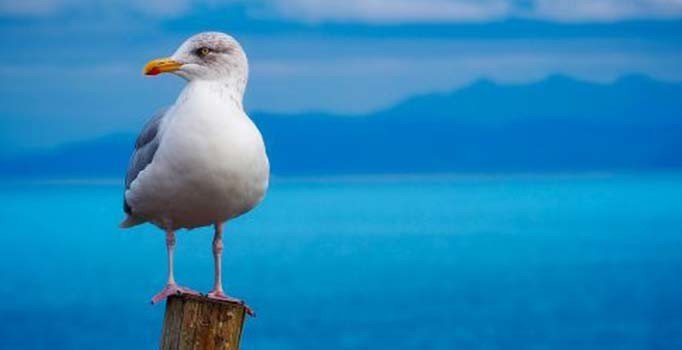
145	148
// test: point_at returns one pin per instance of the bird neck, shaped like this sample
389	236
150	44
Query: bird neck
228	90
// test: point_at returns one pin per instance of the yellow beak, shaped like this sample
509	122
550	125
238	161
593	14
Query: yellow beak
161	65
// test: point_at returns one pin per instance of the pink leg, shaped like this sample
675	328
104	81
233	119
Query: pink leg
171	287
217	292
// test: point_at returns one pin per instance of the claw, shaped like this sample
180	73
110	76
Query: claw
171	289
220	295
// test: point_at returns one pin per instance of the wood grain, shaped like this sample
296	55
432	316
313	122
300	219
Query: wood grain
196	322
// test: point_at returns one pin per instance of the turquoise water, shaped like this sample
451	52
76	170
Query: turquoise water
589	262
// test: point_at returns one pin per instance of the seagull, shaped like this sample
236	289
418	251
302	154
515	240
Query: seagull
201	161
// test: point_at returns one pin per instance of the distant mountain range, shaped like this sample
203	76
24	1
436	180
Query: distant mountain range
558	124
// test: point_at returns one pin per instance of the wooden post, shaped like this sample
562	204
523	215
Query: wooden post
196	322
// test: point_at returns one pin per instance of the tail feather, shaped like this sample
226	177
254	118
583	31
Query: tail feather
131	221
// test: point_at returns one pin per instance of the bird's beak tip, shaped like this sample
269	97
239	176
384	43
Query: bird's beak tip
153	71
161	65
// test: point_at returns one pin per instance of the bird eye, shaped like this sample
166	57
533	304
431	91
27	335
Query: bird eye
203	51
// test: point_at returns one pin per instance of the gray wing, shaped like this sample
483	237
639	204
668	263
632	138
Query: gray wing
145	148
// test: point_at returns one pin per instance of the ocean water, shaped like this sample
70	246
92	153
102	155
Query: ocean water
524	262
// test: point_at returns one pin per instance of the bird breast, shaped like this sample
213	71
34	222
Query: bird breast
212	159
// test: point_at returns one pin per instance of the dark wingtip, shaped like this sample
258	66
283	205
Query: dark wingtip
126	207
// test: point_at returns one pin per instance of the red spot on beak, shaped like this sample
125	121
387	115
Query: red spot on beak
154	71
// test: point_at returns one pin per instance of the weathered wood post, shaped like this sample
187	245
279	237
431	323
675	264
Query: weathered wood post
197	322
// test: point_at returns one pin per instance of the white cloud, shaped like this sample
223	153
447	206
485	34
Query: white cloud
393	11
401	11
605	10
375	11
31	7
45	8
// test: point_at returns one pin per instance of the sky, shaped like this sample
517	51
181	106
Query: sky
71	69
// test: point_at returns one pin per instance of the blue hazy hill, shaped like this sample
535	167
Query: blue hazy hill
558	124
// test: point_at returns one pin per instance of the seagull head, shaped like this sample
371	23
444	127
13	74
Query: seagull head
210	56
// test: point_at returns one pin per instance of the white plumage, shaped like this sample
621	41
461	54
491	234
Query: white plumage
210	165
202	161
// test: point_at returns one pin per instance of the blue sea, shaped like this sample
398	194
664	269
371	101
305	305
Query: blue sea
588	261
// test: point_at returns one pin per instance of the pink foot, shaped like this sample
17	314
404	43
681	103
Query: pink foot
220	295
171	289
